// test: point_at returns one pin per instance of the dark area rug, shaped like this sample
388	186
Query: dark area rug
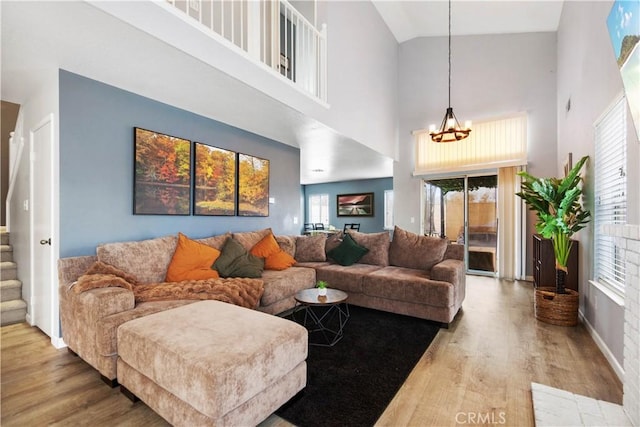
352	383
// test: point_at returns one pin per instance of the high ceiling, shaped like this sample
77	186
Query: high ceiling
38	36
410	19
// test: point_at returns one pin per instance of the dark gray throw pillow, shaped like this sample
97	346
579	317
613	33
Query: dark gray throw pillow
348	252
235	261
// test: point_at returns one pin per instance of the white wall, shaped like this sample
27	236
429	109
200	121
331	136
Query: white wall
588	74
42	102
492	76
362	70
363	75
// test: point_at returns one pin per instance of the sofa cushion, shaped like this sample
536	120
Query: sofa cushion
311	248
192	261
107	327
409	285
313	264
146	260
414	251
216	242
348	252
378	245
287	244
281	284
248	239
333	241
346	278
235	261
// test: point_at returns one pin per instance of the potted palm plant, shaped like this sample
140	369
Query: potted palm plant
558	205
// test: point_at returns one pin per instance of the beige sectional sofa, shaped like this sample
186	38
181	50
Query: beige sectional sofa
413	275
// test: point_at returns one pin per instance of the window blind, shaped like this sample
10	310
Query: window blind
610	194
319	208
492	144
388	209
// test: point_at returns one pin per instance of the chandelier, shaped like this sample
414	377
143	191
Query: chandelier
450	130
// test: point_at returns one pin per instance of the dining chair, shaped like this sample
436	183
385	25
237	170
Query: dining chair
351	226
318	226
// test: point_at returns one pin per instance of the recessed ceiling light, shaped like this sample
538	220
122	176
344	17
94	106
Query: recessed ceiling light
317	170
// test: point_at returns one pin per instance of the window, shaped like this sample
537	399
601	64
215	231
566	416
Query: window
319	208
610	194
388	209
492	144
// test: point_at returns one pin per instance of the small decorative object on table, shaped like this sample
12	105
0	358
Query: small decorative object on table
322	288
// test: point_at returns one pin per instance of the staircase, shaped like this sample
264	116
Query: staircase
12	308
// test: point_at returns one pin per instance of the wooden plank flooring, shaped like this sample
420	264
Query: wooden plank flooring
477	372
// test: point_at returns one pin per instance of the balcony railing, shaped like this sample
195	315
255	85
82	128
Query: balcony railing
272	32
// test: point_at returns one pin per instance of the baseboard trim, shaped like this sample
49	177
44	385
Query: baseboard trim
28	319
617	368
58	343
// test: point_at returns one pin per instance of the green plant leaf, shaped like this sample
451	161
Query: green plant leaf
558	207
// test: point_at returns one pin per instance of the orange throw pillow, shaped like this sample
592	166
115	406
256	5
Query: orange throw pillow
192	261
279	261
265	247
274	257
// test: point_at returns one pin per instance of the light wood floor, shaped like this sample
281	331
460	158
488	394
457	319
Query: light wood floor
479	369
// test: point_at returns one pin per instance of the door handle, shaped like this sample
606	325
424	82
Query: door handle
46	242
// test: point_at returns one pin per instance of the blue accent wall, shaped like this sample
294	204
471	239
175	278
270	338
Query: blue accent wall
368	224
96	168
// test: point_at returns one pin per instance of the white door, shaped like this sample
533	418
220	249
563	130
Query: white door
43	283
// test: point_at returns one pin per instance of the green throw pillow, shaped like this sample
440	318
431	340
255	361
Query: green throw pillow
235	261
348	252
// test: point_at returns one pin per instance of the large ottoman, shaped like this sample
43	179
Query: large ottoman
212	363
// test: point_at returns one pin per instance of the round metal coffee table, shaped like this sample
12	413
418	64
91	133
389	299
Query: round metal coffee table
323	316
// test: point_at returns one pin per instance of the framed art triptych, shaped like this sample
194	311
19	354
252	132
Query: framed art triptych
172	176
162	175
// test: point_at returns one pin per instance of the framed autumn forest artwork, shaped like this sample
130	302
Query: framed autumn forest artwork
360	204
253	186
214	190
162	174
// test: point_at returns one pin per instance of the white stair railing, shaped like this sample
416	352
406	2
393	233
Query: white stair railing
272	32
16	146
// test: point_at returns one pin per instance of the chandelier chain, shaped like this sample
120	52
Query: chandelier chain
449	53
450	130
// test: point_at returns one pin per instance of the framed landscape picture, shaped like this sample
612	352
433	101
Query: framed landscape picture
360	204
162	174
624	30
253	186
214	190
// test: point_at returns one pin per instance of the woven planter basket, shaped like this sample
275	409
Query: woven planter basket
556	309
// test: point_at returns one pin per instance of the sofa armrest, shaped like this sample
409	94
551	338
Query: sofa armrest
448	270
81	313
69	269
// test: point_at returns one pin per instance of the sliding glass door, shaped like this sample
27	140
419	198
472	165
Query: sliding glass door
464	211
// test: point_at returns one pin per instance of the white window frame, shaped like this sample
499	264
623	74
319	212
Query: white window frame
610	196
318	208
388	209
